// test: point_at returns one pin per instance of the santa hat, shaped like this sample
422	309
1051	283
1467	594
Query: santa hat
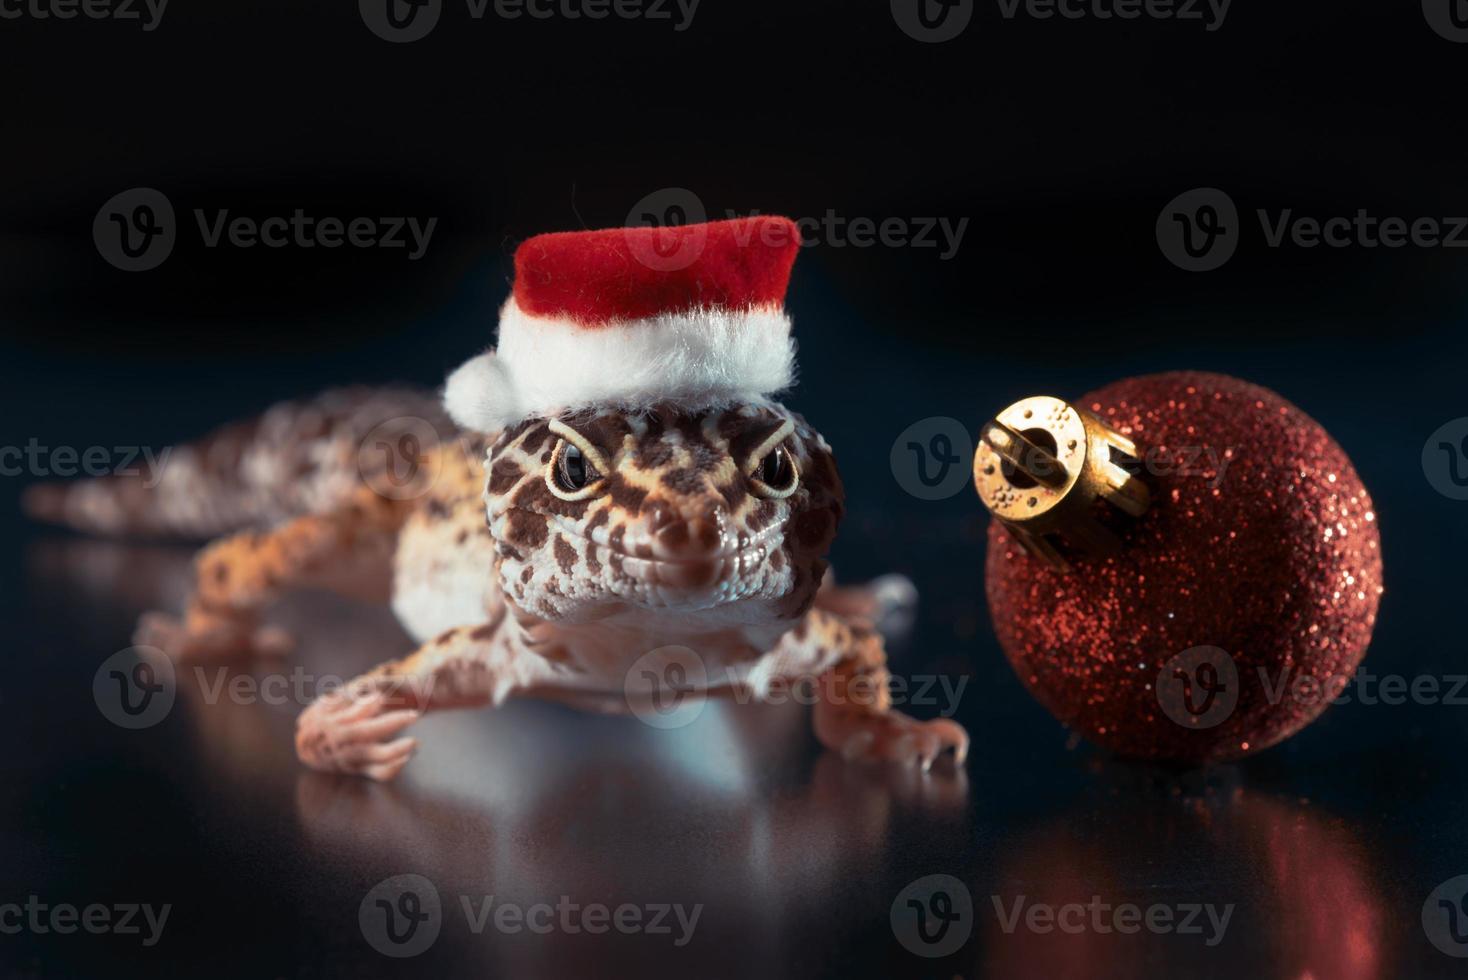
691	316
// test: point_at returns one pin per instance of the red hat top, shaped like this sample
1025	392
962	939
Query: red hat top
628	317
596	278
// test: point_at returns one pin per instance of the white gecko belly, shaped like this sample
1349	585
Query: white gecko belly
636	652
442	580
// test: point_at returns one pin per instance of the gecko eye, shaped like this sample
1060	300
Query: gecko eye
572	475
775	476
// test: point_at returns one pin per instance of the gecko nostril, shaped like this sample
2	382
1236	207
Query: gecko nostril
676	536
706	535
660	514
673	537
688	539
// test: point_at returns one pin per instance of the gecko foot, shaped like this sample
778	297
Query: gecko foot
891	737
353	732
889	603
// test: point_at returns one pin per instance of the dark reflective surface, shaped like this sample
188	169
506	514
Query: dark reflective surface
1321	853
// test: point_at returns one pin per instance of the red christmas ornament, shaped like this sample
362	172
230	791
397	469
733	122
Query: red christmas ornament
1183	566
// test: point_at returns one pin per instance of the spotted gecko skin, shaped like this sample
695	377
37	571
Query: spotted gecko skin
512	589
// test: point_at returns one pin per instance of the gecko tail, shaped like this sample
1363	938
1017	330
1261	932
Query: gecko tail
109	506
299	457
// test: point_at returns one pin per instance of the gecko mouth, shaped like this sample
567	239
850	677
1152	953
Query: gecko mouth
719	571
690	574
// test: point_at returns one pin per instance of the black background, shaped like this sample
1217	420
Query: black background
1060	141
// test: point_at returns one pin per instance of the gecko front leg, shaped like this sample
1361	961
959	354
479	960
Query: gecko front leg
358	727
348	551
853	714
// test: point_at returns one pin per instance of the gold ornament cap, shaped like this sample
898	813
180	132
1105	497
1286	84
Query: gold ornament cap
1041	466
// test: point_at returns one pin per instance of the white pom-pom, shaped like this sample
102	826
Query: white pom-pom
480	395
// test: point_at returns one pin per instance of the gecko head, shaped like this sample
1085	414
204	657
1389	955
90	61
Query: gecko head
724	514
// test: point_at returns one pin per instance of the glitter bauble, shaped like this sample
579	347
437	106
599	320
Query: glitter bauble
1212	591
